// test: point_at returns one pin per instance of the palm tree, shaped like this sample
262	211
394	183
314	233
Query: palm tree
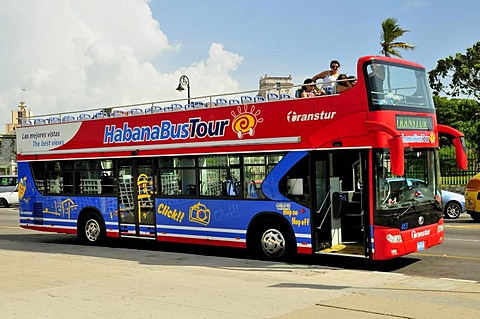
390	33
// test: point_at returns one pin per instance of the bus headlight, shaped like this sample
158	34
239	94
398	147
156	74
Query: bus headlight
394	238
440	228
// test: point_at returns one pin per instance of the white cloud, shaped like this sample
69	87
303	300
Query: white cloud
73	55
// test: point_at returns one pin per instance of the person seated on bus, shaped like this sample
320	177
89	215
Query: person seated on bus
309	89
232	187
345	82
329	77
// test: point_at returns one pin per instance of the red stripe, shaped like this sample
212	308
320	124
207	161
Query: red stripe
304	250
210	242
51	229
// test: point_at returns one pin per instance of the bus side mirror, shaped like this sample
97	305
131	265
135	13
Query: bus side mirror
397	156
458	142
460	152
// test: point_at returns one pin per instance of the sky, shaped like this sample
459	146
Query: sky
71	55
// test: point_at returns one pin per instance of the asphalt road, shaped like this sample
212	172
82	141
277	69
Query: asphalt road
47	275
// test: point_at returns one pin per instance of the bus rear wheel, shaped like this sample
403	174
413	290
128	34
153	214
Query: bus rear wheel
90	231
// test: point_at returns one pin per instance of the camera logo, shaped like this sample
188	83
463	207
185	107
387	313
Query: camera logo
200	214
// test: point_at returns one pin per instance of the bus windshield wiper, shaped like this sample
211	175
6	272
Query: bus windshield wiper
406	211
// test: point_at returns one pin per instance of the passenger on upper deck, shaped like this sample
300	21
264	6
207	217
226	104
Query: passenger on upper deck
309	89
329	77
345	82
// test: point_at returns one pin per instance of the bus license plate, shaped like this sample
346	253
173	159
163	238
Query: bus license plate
420	246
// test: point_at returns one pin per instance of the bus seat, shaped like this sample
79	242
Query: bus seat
26	122
198	105
82	117
135	111
54	119
177	107
117	113
100	115
259	98
233	102
189	106
222	102
272	96
156	109
168	108
246	99
39	121
210	104
68	118
284	96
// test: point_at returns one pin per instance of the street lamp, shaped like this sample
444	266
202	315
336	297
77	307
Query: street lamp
184	81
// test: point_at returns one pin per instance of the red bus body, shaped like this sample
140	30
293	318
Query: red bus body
325	131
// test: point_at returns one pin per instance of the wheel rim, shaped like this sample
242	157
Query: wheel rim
3	203
273	243
92	230
453	210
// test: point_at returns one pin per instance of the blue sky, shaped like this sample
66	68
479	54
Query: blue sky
73	55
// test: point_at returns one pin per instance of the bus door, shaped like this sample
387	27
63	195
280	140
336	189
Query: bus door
341	218
136	189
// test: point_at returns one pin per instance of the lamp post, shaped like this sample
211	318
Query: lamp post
184	80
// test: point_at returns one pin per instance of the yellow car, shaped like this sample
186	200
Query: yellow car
472	197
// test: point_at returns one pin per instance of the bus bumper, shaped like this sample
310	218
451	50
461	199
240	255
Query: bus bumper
391	243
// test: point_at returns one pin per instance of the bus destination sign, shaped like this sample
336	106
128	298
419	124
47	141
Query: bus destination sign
418	123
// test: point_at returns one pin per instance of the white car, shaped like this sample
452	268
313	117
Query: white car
9	198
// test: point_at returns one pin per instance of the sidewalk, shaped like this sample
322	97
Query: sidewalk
380	295
53	280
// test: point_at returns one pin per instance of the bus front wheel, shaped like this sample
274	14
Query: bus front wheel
273	242
90	231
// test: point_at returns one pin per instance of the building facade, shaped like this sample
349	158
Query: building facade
275	84
8	145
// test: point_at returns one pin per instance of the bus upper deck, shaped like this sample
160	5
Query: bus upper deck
405	91
253	122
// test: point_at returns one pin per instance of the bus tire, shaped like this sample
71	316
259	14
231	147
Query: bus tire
90	230
272	241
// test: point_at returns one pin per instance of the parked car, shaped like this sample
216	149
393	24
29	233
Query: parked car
453	203
7	183
9	198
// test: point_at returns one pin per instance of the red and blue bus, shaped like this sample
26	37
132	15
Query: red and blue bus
276	176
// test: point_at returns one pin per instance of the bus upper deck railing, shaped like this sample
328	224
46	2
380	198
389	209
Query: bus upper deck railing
200	102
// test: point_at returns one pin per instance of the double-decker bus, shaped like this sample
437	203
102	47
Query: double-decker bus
277	175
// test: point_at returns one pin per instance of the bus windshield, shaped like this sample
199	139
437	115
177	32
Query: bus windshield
419	185
393	86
